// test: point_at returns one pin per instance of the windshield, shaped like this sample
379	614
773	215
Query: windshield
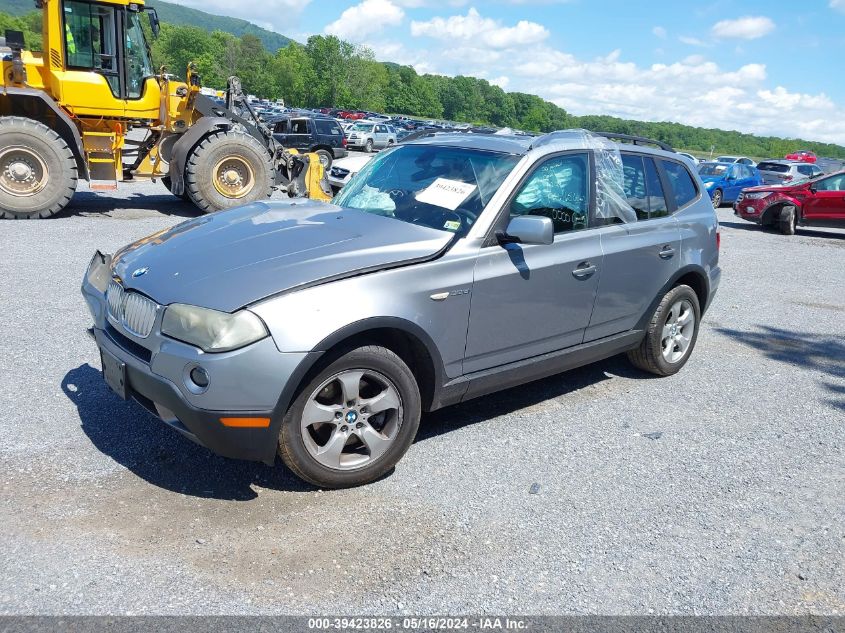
139	65
711	169
443	188
726	159
362	127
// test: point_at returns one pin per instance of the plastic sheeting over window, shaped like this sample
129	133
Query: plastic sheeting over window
611	202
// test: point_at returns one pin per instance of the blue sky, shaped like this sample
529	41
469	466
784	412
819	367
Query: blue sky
766	67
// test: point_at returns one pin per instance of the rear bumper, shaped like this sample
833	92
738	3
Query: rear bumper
163	399
340	152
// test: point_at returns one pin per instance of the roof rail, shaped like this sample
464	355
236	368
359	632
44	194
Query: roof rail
636	140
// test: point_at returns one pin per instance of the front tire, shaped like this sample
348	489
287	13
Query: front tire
788	220
353	421
671	334
227	169
38	173
369	146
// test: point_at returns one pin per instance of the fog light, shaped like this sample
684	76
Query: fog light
199	377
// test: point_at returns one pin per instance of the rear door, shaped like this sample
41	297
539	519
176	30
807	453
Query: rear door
529	300
825	204
639	257
380	135
300	133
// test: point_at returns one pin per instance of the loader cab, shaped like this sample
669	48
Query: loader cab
108	68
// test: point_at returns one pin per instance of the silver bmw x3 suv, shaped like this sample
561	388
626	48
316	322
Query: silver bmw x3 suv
449	268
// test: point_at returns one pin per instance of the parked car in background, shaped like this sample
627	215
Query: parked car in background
690	157
817	201
724	181
775	172
370	136
742	160
321	332
344	169
803	156
315	133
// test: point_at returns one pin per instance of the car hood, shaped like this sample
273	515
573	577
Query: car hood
776	188
231	259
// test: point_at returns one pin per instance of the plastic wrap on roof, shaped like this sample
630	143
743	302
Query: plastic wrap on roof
611	201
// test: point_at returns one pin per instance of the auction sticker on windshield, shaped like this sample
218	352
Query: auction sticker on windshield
446	193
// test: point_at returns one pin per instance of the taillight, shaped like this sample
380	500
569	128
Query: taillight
343	142
718	241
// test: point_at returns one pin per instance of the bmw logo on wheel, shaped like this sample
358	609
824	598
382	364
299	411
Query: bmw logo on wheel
351	417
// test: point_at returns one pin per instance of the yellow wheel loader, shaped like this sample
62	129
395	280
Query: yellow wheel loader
67	112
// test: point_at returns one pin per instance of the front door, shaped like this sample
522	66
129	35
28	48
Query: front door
533	299
825	203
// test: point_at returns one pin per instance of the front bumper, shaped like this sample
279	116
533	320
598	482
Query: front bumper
252	383
162	398
751	210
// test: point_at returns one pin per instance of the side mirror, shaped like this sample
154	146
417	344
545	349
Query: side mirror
155	25
528	229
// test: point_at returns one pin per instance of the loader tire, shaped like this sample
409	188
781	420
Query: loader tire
38	172
227	169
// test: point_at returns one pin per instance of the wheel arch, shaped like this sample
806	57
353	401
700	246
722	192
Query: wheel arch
771	214
36	105
404	338
691	275
185	145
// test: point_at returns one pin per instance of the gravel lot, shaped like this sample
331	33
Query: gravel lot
719	490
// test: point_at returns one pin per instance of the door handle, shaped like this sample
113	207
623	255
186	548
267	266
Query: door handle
585	270
667	252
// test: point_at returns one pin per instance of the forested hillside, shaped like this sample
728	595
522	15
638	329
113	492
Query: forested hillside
327	71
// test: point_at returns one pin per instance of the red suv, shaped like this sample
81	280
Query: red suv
818	201
803	155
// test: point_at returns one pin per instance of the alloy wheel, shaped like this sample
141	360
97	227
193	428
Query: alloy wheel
351	419
678	331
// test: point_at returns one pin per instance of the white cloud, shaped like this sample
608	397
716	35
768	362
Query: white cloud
660	32
475	29
839	5
367	18
744	28
276	15
692	41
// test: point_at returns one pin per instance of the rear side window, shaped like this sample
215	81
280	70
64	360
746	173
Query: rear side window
299	126
326	127
680	182
635	184
780	168
281	127
656	198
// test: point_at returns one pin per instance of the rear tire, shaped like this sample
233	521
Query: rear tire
326	158
717	198
669	339
369	146
369	436
38	173
788	220
228	169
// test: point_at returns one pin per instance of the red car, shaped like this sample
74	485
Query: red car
803	155
817	201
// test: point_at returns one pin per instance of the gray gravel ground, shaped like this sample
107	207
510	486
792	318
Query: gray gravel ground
717	491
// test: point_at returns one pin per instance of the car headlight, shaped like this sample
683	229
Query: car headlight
709	185
210	330
758	195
